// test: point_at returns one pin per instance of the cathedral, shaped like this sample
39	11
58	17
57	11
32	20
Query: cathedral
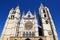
27	28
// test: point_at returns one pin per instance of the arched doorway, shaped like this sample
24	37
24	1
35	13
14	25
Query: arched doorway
27	39
40	39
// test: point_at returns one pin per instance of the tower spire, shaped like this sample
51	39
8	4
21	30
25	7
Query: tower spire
35	14
17	9
41	6
11	10
23	14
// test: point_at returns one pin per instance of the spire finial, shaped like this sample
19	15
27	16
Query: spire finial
41	5
23	13
17	9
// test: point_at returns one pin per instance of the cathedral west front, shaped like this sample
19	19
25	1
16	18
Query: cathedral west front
26	27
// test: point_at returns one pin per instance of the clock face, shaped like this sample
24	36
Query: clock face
28	25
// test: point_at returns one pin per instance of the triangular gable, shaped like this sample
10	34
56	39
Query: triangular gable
28	14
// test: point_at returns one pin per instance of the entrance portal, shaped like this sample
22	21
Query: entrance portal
40	39
27	39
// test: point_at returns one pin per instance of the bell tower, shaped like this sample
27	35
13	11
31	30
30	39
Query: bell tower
49	31
12	24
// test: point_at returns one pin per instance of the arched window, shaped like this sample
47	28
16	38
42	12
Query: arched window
24	34
44	15
33	34
46	22
27	34
43	11
12	16
30	34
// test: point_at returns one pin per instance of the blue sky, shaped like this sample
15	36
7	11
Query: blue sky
32	5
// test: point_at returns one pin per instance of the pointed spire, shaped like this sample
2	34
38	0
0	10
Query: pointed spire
41	6
35	14
11	10
17	7
23	13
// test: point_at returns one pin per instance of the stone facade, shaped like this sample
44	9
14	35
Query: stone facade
26	27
